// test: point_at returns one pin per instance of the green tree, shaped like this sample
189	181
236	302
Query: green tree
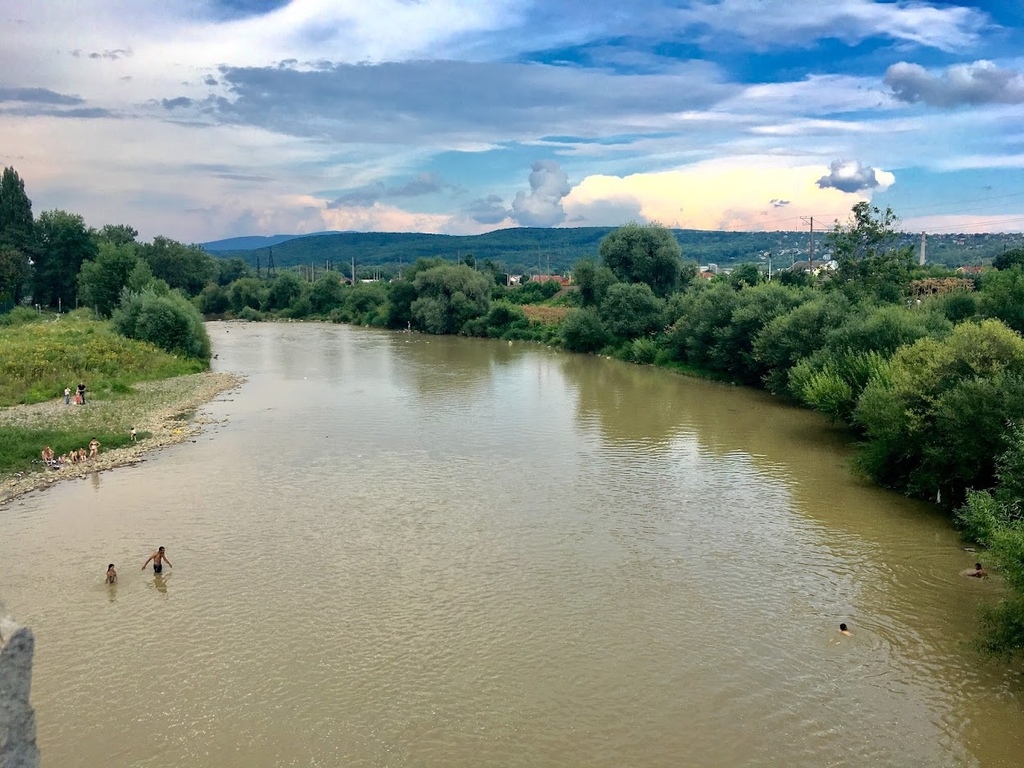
744	275
101	280
1002	297
284	289
594	281
583	331
248	292
644	254
186	267
698	319
448	296
326	293
17	235
1009	259
213	300
64	244
118	234
229	270
936	416
631	309
871	261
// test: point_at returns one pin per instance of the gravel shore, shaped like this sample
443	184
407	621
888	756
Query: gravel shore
165	409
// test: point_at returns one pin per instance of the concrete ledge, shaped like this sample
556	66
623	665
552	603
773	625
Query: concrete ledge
17	719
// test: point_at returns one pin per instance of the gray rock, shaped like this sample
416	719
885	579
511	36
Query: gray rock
17	719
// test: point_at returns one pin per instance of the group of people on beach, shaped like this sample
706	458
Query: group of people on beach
79	395
73	456
158	559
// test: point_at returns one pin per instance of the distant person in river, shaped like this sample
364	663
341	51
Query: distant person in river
158	559
843	630
111	574
977	572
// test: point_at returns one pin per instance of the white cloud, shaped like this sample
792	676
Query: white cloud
735	193
542	207
853	176
782	23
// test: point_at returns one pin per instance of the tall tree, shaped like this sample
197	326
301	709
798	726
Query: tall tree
187	267
101	280
17	235
118	234
644	254
64	243
871	260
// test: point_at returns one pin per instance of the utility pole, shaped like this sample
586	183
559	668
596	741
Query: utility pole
353	269
810	245
271	272
920	258
258	267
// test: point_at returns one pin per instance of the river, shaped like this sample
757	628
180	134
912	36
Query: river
401	550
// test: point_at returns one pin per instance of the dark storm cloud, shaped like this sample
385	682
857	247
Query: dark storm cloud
963	84
487	210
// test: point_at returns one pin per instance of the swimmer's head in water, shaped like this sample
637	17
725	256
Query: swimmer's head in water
161	549
110	566
842	627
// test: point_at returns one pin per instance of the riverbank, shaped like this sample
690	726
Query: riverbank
163	412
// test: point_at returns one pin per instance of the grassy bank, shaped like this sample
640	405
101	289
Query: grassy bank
40	355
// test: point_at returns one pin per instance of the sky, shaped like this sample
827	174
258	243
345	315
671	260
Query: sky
210	119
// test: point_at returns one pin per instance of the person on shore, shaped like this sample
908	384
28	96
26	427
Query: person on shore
94	448
111	574
81	394
977	572
47	455
843	630
132	434
158	559
67	395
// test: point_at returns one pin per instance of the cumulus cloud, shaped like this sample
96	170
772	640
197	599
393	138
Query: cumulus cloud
487	210
981	82
542	207
851	176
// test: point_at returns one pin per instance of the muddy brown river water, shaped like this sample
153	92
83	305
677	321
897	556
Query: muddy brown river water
411	551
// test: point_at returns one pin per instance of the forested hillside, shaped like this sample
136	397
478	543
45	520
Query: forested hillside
532	249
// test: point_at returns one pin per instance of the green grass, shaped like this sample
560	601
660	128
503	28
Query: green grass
41	355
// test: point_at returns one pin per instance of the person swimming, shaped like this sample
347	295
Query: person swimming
843	630
977	572
111	574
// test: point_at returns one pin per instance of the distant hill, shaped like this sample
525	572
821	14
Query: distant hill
251	242
534	249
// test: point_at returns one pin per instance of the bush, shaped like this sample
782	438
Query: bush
583	331
170	322
643	351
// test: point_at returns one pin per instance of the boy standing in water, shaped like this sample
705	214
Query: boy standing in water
158	559
111	574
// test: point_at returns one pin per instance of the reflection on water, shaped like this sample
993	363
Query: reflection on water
430	551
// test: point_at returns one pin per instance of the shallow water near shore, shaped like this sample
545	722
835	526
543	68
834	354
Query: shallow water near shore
404	550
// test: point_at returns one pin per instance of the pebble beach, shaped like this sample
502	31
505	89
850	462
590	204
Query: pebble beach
164	409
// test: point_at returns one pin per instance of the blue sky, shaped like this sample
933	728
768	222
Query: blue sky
209	119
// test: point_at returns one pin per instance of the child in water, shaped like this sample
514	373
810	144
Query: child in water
111	574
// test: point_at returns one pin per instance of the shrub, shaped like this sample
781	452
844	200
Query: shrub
583	331
170	322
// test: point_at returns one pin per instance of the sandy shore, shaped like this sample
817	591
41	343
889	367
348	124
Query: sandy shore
164	408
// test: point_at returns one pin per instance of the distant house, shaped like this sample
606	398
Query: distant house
972	270
829	265
707	275
560	279
513	280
